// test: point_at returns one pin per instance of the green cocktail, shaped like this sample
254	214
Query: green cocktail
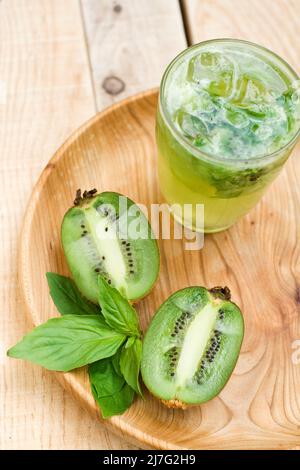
228	118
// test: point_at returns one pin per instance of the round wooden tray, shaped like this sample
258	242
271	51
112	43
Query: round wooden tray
259	407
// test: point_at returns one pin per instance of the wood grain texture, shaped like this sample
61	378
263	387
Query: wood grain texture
130	43
258	258
45	93
273	24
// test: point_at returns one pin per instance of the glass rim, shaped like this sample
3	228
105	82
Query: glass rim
182	139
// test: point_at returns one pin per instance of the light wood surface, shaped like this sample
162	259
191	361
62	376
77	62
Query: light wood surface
47	89
258	258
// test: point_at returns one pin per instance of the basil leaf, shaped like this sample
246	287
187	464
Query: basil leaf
130	362
68	342
67	298
117	311
104	377
111	392
130	342
116	362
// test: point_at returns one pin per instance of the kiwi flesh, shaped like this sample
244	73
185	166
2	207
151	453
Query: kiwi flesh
191	346
96	241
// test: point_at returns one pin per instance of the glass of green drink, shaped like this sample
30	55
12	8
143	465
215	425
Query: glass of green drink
228	118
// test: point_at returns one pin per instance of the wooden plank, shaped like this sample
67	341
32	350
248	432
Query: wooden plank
45	93
130	43
272	24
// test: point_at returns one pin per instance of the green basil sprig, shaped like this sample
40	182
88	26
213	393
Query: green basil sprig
108	339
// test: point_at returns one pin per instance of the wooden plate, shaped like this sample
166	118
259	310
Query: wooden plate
257	258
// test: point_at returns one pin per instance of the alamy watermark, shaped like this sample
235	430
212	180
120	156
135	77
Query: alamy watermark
127	222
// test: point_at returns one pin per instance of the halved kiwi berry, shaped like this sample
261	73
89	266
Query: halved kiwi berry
108	234
191	346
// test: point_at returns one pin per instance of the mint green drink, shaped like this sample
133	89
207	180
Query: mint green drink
228	118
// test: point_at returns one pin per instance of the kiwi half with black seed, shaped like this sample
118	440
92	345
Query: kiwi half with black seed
191	346
108	234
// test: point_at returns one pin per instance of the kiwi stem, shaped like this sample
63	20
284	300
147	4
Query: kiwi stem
80	199
221	292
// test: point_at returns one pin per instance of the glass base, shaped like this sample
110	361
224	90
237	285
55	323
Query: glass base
195	229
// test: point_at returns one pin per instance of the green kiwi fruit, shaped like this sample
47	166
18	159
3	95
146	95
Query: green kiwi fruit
191	346
108	234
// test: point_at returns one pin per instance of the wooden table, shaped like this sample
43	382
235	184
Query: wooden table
61	61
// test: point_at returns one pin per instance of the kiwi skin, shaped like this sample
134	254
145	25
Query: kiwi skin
146	270
220	297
